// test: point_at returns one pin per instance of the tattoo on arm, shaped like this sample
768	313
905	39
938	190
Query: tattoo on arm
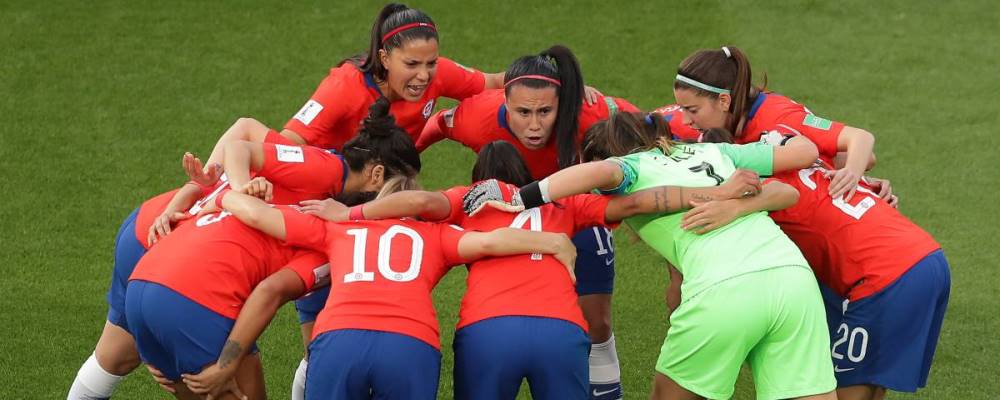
702	197
230	352
656	198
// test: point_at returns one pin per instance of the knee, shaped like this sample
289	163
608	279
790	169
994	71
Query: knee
119	363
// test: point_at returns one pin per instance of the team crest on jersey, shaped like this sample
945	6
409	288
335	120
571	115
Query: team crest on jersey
428	108
817	122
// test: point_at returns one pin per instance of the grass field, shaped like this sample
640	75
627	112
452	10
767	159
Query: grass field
100	99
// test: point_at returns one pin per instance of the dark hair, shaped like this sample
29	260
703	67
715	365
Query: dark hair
725	71
383	142
559	63
716	135
392	16
500	160
626	133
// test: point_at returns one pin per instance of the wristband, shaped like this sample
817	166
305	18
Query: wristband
218	198
531	195
356	213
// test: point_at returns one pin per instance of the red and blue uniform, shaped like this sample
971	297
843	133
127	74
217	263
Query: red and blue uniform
673	114
378	334
884	280
333	114
482	119
519	318
186	292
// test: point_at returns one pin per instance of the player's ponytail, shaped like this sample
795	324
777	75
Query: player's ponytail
395	25
726	70
500	160
555	67
382	142
625	133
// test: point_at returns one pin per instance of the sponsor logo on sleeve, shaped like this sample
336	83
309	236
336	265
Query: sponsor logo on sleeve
428	108
817	122
290	154
309	112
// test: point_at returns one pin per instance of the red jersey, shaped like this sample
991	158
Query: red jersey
384	271
482	119
217	261
856	248
152	208
334	113
674	115
302	172
526	285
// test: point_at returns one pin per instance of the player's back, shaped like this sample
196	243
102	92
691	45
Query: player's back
382	275
855	247
216	261
527	285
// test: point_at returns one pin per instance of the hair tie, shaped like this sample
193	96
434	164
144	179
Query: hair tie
408	27
702	86
539	77
728	53
649	119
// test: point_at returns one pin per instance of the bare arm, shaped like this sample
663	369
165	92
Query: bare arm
255	213
245	129
510	241
712	215
670	199
242	157
258	311
175	211
495	80
859	145
583	178
799	152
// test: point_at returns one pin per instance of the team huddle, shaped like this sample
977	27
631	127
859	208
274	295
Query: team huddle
781	253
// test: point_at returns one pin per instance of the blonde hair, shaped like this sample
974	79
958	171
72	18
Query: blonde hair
398	183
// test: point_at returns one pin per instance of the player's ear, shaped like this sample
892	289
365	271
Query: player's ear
724	101
376	175
383	56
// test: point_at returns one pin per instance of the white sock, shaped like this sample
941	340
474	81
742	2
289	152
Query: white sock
604	366
93	382
299	383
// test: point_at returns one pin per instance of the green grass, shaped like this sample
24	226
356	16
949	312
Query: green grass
100	99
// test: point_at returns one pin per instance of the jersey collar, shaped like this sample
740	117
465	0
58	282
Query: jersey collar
343	164
502	118
370	82
756	105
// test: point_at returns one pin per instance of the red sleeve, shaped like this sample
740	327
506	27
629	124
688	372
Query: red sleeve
436	129
304	169
589	210
821	131
312	267
455	196
337	97
274	137
457	81
303	230
625	106
448	236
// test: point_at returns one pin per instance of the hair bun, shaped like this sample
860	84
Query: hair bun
379	122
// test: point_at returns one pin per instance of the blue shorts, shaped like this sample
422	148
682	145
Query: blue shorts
492	356
173	333
888	339
128	251
595	261
311	304
363	364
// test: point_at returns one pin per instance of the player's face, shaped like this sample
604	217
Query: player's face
702	112
410	69
531	113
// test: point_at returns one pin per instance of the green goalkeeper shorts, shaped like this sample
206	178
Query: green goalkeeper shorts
773	319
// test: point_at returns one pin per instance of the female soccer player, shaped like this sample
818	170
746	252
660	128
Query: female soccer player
714	90
380	308
884	280
519	318
777	321
541	112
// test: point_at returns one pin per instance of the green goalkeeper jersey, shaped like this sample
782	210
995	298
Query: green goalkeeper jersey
748	244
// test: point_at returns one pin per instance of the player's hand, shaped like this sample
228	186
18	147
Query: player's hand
162	225
161	379
883	188
195	171
708	216
491	193
566	254
843	183
214	382
328	209
591	95
258	187
742	183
